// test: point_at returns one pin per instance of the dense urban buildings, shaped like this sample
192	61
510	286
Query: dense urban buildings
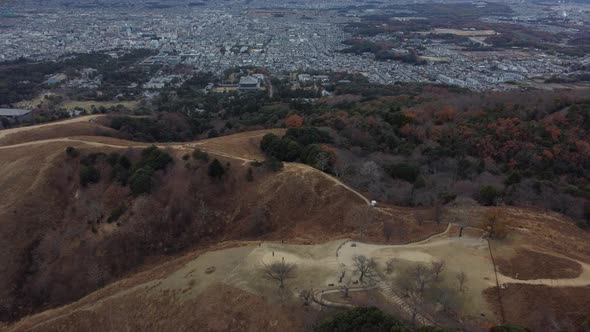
300	35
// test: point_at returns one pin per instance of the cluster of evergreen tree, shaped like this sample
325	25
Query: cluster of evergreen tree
299	144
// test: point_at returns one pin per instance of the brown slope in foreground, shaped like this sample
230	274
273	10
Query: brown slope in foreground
62	260
57	245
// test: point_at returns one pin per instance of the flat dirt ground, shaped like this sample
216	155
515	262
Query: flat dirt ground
239	270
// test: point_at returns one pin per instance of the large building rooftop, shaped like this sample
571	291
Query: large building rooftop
13	112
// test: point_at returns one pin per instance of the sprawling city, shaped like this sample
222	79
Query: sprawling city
304	35
297	165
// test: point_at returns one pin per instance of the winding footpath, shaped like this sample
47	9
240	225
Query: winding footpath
582	280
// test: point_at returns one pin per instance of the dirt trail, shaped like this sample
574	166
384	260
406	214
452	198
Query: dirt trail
582	280
85	118
421	251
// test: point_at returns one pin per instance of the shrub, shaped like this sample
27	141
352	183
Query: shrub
92	158
513	178
308	135
489	195
509	328
273	164
216	170
446	197
495	223
212	133
281	148
113	158
420	182
583	224
120	168
362	319
198	154
316	157
141	181
120	174
403	171
249	175
72	152
267	141
117	213
154	158
88	175
256	163
125	162
294	121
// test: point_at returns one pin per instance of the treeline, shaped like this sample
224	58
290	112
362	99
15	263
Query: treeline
300	144
138	176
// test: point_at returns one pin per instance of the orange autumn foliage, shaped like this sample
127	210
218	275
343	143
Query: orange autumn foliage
294	121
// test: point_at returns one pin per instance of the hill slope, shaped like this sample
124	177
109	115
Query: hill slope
78	257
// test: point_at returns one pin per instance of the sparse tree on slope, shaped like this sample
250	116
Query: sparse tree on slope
279	271
365	267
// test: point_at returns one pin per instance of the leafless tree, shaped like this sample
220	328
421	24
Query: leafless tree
387	230
416	301
360	216
422	276
496	225
462	280
364	266
437	267
437	211
279	271
261	223
419	218
344	289
343	168
306	296
371	172
341	276
322	161
390	265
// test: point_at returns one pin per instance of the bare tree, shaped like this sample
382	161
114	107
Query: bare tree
261	222
437	211
422	276
462	280
419	218
279	271
416	301
390	265
322	161
495	223
437	267
360	216
364	266
306	295
344	289
371	172
387	230
343	168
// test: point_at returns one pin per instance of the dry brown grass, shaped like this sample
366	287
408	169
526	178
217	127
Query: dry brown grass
303	206
526	264
543	308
